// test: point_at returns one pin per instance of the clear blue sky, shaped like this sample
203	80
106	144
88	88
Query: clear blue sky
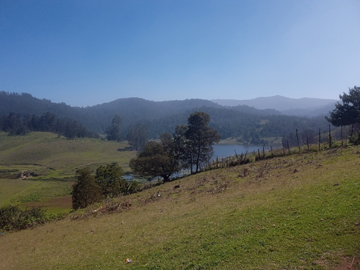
89	52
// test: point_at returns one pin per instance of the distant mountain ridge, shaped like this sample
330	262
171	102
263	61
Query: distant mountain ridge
98	117
243	121
279	103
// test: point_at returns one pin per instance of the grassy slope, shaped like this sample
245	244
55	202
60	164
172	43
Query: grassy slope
296	212
55	160
52	156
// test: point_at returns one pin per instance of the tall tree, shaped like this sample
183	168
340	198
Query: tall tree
109	178
137	137
14	125
347	112
157	159
86	191
113	131
199	138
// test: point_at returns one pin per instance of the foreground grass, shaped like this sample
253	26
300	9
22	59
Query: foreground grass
296	212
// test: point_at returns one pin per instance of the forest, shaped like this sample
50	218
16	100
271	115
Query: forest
247	124
16	124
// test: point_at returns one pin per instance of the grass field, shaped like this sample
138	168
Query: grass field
54	159
295	212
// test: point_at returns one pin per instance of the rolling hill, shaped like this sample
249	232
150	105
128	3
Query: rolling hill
244	122
293	212
288	106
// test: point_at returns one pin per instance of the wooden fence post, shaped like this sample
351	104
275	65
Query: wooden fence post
297	138
287	141
307	142
342	142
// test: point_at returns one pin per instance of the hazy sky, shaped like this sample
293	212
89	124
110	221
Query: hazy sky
89	52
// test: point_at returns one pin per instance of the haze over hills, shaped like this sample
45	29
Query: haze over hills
280	103
242	121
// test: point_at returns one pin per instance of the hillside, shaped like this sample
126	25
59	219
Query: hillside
293	212
243	122
51	156
289	106
50	163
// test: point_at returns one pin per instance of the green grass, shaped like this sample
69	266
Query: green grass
54	159
294	212
36	193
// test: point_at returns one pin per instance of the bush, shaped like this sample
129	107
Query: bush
355	138
86	191
13	218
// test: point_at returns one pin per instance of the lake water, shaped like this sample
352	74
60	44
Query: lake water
226	150
220	151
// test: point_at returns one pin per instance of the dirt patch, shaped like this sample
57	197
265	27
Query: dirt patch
346	263
59	202
349	263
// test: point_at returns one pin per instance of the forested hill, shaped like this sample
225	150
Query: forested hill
133	110
278	102
247	127
240	121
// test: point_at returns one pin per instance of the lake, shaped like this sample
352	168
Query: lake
220	151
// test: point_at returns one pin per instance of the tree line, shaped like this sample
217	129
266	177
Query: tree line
142	118
108	182
15	124
347	114
345	118
190	147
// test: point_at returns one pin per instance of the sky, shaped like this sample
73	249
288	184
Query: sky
90	52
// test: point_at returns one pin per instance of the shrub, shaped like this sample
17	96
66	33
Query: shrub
13	218
86	191
355	138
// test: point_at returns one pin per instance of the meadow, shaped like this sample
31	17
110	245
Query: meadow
300	211
53	160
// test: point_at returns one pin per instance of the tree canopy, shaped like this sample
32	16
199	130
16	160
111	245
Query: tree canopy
15	124
347	112
199	139
109	178
157	159
108	182
113	131
137	137
189	147
86	191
